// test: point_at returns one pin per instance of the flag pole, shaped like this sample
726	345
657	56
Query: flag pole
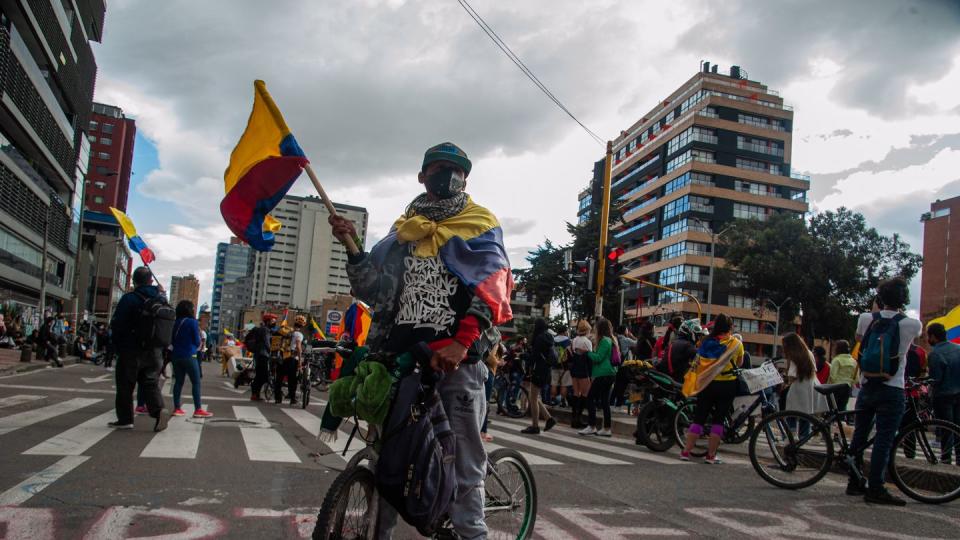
350	244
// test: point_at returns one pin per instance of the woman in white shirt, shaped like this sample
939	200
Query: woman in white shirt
801	377
580	367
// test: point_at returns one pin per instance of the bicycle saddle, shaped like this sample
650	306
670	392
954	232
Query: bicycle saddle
829	389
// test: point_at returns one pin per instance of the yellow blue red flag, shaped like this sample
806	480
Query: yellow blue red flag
136	243
950	321
263	166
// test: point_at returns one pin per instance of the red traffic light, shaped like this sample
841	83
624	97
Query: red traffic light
615	253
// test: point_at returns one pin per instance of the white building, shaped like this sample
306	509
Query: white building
307	264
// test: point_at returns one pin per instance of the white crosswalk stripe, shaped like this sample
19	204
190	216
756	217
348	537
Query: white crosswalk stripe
22	492
262	441
28	418
76	440
180	440
538	444
532	459
20	399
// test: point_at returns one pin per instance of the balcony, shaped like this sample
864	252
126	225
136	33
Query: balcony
638	189
703	208
640	206
798	176
634	172
635	228
769	150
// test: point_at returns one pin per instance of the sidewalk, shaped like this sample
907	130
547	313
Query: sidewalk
10	362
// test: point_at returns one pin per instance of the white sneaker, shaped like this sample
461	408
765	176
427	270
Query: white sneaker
604	433
589	430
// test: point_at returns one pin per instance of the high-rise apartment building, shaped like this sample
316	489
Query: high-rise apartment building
940	282
111	136
715	150
232	286
184	288
47	74
307	263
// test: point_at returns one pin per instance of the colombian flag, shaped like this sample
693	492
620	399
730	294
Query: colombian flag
357	322
136	243
950	321
263	166
318	333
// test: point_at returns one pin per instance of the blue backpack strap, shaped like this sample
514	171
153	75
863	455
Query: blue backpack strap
896	335
866	334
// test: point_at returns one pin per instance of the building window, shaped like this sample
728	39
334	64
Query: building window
683	273
692	100
798	195
755	188
681	226
98	200
93	125
760	121
100	185
749	211
694	133
103	155
761	146
709	112
92	138
694	154
746	326
683	248
759	166
738	301
102	170
106	141
671	297
688	178
108	128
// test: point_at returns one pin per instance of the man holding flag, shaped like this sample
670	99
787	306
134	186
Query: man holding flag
441	276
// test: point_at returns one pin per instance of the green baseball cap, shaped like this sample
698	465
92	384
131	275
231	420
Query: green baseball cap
447	152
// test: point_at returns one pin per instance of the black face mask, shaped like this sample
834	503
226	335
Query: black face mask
445	183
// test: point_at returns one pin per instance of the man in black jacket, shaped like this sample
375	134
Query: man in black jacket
135	364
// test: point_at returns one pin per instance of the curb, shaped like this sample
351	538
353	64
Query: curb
24	367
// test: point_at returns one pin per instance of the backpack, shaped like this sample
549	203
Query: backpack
615	358
880	348
416	470
154	326
560	357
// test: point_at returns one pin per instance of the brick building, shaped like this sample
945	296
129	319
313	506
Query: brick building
940	282
111	136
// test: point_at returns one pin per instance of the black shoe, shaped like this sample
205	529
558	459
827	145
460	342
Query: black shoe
882	496
550	423
120	425
530	430
161	420
293	402
855	488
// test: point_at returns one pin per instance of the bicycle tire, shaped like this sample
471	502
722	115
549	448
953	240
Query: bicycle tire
682	419
654	425
304	392
746	429
916	467
497	461
333	510
786	462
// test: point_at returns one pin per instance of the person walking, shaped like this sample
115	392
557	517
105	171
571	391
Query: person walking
715	399
138	364
560	373
944	363
580	368
49	343
544	354
882	398
186	343
843	369
604	374
257	342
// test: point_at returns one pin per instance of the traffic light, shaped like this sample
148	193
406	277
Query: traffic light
611	281
585	273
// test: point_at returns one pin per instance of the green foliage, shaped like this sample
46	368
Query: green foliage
829	267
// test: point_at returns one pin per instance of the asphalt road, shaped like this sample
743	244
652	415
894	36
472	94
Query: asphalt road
258	471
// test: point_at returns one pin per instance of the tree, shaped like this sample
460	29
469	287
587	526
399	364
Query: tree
546	278
829	266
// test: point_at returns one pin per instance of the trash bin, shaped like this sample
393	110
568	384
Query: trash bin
26	353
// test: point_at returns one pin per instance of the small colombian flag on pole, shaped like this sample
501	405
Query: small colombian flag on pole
136	243
263	166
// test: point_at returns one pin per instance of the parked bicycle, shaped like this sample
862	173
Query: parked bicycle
655	419
516	400
794	450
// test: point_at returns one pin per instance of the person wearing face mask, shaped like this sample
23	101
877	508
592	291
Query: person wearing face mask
441	277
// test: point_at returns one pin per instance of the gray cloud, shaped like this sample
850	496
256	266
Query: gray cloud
884	46
517	226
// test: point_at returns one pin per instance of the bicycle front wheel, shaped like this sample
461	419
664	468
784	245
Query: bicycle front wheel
681	424
349	510
510	507
923	464
655	426
791	450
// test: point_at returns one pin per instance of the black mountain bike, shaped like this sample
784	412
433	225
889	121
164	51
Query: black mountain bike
794	450
655	420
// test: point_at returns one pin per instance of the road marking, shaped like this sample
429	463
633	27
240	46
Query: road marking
263	443
102	378
27	418
180	440
77	439
107	392
532	459
22	492
19	399
533	442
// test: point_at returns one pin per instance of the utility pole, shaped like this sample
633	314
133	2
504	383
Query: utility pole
776	327
604	230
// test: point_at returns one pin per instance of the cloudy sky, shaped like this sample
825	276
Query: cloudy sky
367	85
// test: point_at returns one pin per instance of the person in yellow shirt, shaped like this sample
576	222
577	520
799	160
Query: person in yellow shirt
843	369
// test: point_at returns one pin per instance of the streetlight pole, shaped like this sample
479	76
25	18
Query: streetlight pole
776	326
713	256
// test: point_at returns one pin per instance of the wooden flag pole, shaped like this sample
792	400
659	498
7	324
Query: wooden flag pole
351	245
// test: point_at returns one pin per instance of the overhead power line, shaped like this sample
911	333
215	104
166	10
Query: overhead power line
502	45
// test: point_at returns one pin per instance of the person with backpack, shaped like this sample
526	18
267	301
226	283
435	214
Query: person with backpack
186	342
885	338
604	372
440	277
142	325
560	373
257	342
544	356
682	351
662	344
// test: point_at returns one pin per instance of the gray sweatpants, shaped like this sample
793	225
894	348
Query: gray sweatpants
465	402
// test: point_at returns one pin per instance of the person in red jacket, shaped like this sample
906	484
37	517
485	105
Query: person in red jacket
823	366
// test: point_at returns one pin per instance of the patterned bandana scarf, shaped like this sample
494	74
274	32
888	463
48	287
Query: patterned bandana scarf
437	210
